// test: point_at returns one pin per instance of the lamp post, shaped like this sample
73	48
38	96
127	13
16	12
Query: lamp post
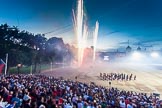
51	66
109	84
31	69
6	63
64	57
18	68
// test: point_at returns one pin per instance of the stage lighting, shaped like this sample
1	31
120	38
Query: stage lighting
154	54
106	58
136	55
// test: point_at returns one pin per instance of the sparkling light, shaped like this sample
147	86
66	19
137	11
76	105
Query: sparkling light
81	32
95	40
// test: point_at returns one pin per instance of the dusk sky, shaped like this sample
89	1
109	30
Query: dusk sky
139	21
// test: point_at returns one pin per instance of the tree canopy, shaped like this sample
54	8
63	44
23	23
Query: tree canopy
28	48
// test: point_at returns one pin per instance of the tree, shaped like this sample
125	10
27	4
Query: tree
55	48
26	48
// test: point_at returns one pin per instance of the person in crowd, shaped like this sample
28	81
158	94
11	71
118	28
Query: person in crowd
37	91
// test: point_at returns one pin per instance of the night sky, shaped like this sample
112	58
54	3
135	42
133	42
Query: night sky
139	21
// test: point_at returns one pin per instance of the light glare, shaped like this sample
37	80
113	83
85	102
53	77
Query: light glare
136	55
154	54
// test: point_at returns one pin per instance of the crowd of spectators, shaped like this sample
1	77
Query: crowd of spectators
117	76
37	91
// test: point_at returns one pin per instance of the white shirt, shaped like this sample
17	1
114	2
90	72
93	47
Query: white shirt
85	97
129	106
80	105
68	106
122	104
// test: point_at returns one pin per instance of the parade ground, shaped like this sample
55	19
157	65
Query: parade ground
148	77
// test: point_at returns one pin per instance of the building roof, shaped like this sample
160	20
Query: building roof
128	48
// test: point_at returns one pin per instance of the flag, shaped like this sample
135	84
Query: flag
1	65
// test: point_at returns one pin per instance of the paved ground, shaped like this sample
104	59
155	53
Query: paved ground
149	78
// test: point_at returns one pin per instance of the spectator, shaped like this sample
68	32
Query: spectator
36	91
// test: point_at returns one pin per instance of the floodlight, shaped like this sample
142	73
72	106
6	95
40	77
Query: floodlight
106	58
136	55
154	54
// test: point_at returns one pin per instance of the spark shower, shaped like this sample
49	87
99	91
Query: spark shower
81	32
